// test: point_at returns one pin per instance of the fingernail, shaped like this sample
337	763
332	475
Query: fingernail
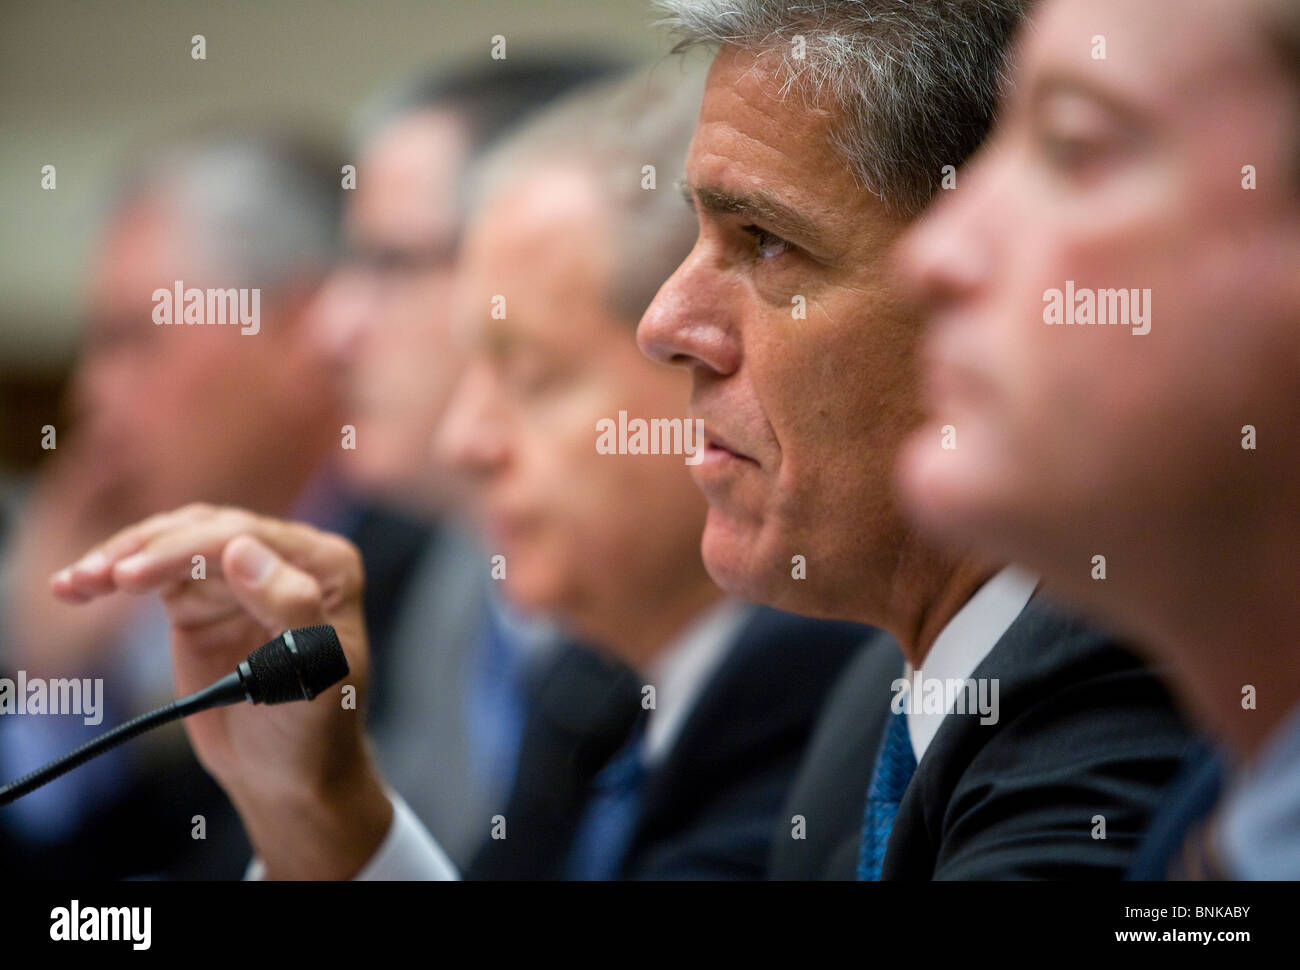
132	564
92	563
63	576
252	561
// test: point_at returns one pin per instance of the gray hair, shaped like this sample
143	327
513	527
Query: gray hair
611	131
260	209
915	82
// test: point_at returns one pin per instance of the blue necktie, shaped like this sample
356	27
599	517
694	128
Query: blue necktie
604	832
895	765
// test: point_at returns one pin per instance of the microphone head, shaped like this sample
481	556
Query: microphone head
295	666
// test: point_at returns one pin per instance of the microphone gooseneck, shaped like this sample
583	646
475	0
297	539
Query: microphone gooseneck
297	665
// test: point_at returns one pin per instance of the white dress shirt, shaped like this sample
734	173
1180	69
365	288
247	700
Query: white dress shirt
965	641
409	852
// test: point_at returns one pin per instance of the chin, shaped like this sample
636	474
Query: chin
748	564
527	589
729	559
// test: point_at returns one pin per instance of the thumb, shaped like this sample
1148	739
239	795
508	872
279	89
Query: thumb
278	595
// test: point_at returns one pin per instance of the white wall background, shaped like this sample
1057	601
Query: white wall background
82	81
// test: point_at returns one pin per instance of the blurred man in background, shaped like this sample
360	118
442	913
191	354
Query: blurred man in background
1149	466
165	412
450	662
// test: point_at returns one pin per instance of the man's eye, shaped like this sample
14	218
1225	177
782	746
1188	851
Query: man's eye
528	376
766	245
1068	153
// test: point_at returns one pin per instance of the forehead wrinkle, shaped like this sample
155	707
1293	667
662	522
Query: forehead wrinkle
794	119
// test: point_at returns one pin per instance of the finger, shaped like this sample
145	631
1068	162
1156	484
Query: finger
170	555
200	604
277	594
63	588
92	574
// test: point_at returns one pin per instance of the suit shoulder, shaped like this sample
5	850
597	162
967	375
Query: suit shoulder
1065	779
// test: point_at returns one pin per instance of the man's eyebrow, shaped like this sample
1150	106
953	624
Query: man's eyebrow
776	215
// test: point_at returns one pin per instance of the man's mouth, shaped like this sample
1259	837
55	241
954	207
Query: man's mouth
715	442
720	456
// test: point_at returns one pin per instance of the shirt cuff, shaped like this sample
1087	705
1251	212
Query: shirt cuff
408	852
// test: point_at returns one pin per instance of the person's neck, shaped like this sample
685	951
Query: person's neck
927	592
1229	625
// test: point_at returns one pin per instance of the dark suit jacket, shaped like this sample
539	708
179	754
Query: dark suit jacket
1084	730
830	791
581	712
710	806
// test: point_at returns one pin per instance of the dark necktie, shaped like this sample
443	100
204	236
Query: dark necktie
610	817
895	765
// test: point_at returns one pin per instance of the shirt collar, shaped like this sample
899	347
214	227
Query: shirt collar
680	672
965	641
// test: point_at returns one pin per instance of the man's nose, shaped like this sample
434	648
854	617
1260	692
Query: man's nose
949	251
340	315
689	323
469	437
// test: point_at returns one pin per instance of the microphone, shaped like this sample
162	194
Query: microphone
295	666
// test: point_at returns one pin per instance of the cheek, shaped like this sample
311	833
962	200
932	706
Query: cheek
1046	375
549	493
556	470
849	397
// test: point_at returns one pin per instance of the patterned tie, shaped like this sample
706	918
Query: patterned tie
895	765
609	820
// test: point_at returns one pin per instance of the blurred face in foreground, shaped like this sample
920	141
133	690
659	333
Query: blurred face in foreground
1077	440
800	353
609	543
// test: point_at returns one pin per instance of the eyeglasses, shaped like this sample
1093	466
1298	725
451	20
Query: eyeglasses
398	262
